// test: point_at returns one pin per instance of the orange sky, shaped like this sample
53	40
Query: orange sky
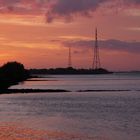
29	39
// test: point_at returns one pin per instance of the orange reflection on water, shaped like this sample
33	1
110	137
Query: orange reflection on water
13	132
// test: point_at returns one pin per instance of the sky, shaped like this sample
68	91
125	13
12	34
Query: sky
38	33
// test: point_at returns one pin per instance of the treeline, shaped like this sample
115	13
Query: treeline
69	70
12	73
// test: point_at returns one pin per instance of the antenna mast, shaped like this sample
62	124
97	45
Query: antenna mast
69	59
96	60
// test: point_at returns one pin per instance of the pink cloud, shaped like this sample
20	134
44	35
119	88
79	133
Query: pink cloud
66	9
111	45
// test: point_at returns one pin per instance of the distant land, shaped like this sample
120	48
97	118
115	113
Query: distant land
133	72
69	71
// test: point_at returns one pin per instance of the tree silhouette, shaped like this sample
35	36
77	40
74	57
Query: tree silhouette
12	73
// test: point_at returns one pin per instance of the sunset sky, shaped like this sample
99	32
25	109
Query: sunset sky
38	33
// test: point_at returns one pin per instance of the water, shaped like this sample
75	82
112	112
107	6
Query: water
106	115
85	82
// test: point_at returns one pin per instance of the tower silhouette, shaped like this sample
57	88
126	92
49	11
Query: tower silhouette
96	60
69	58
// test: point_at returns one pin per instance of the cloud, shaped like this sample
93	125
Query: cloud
132	1
8	2
22	6
68	8
65	9
111	45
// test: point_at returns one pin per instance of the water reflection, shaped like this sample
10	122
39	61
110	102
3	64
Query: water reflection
84	82
110	116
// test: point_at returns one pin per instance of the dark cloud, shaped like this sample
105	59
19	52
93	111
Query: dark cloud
69	8
132	1
66	9
22	6
113	45
8	2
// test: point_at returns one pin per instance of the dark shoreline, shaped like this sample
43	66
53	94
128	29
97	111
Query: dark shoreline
14	91
69	71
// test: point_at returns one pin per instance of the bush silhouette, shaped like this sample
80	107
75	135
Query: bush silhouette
12	73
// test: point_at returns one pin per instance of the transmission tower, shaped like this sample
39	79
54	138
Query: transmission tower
96	60
69	58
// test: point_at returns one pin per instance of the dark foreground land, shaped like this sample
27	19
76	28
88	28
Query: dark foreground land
12	73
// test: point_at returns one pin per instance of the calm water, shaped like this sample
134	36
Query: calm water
74	115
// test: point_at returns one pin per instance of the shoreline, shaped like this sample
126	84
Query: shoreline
14	91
